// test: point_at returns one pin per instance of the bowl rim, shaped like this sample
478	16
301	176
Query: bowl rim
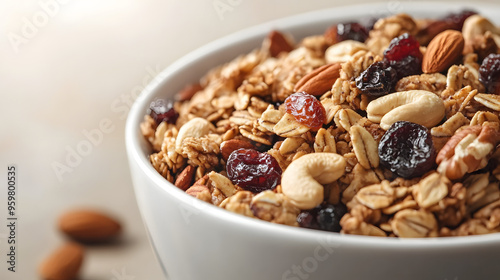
133	137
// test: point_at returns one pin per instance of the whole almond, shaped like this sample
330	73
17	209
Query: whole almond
185	178
442	51
63	264
319	80
330	35
227	147
278	43
89	226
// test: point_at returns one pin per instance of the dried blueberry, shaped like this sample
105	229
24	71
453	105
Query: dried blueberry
407	149
329	217
324	217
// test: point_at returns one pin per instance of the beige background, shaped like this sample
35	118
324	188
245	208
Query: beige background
69	69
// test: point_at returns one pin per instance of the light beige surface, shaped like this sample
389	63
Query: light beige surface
70	69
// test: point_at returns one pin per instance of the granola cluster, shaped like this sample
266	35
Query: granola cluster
240	104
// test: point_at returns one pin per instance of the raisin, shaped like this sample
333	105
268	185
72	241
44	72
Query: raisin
408	66
407	149
324	217
253	171
163	111
306	109
456	20
377	80
489	73
351	31
401	47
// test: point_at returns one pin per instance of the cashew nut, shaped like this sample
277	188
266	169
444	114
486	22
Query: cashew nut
343	51
196	127
417	106
477	25
303	180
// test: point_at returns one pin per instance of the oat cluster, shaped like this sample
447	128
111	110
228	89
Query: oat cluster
240	105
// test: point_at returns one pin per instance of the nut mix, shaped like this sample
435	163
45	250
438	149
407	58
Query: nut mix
384	130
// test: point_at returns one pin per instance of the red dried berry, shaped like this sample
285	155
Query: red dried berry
407	149
351	31
253	171
306	109
163	111
401	47
489	73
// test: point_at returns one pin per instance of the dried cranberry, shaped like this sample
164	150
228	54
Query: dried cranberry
306	109
401	47
351	31
407	149
377	80
324	217
253	171
163	111
489	73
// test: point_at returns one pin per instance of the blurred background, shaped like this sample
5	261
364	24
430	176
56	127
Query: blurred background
69	72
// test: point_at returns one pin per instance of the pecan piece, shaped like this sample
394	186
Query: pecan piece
467	151
185	178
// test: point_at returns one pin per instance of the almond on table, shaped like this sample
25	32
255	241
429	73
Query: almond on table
63	264
89	226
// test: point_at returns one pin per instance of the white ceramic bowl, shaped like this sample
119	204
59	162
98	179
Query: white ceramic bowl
194	240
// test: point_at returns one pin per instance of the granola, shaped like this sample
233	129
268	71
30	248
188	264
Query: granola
242	105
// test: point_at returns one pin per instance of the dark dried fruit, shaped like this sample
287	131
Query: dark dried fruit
253	171
351	31
329	217
456	20
306	109
489	73
407	149
307	219
163	111
377	80
324	217
408	66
